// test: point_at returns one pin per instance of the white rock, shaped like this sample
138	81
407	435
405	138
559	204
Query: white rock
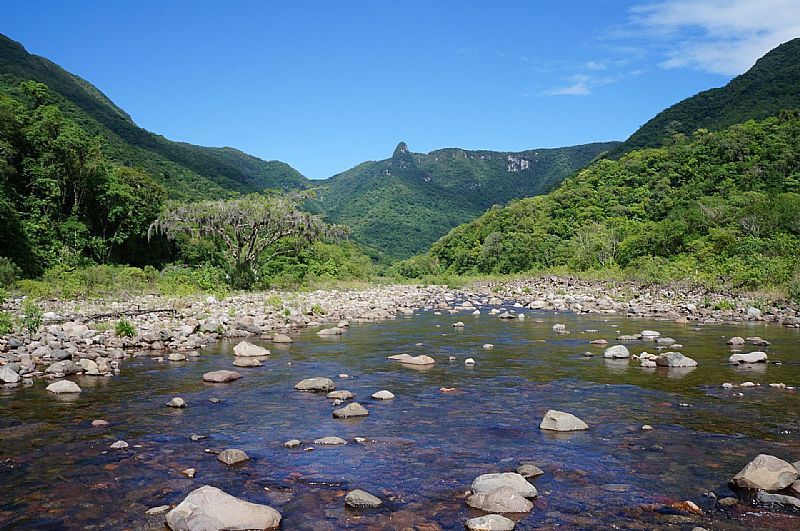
617	351
63	387
559	421
749	357
210	509
490	482
469	361
245	349
490	522
383	395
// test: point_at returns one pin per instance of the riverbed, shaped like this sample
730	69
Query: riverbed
423	448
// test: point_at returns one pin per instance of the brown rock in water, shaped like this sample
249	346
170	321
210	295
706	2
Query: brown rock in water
221	376
766	472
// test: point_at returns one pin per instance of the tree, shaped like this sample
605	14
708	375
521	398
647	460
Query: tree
250	228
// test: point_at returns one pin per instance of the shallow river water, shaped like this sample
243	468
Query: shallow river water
423	448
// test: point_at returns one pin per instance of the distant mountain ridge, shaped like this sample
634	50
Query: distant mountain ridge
401	205
186	171
772	84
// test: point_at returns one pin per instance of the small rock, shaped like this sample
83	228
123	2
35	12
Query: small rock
330	441
736	341
501	500
232	456
209	508
617	352
459	324
488	346
282	338
247	362
362	499
559	421
292	443
750	357
383	395
490	522
189	472
340	395
647	427
316	385
245	349
177	402
529	470
221	376
354	409
63	387
99	423
161	509
469	361
728	501
176	356
119	445
780	499
422	359
675	359
490	482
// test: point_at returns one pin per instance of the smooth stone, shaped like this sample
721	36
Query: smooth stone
176	356
161	509
383	395
674	359
353	409
317	384
490	482
529	470
728	501
765	497
559	421
647	427
292	443
63	387
99	423
8	376
617	352
210	509
335	331
502	500
282	338
362	499
221	376
766	472
490	522
119	445
330	441
340	395
245	349
189	472
422	359
736	341
459	324
488	346
749	357
650	334
469	361
232	456
247	362
177	402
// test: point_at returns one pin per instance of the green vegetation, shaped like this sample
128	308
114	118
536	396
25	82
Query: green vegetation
124	328
714	208
186	171
771	85
31	319
400	206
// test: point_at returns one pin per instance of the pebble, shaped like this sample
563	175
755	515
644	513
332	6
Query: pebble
119	445
189	472
292	443
232	456
469	361
383	395
177	402
99	423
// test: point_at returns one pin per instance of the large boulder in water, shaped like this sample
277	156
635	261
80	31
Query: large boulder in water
749	357
490	482
245	349
353	409
490	522
674	359
766	472
317	384
559	421
210	509
408	359
63	387
617	352
501	500
221	376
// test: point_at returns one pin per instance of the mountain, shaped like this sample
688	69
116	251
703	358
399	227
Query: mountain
401	205
186	171
771	85
717	208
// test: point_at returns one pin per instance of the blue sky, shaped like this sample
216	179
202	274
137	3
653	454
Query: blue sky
325	85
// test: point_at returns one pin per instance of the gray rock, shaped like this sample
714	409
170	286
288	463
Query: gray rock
408	359
119	445
501	500
161	509
749	357
736	341
176	356
559	421
362	499
63	387
353	409
232	456
335	331
780	499
177	402
316	385
246	362
529	470
490	482
490	522
7	375
617	352
330	441
674	359
66	367
282	338
60	355
221	376
766	472
383	395
211	509
292	443
728	501
245	349
340	395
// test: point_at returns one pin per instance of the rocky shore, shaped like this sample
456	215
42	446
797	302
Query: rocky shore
80	336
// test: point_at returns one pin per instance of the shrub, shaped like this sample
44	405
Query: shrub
6	323
31	316
124	328
8	272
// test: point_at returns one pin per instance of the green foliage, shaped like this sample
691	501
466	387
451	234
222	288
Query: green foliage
316	309
793	289
31	319
124	328
6	323
8	273
771	85
401	205
720	207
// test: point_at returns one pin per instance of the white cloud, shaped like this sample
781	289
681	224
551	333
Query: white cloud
719	36
579	85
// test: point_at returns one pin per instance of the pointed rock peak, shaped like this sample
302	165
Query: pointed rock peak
401	149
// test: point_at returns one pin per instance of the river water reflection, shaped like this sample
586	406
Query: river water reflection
424	447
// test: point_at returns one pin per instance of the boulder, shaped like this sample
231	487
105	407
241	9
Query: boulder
361	499
176	356
736	341
282	338
66	367
383	395
292	443
650	334
674	359
245	349
559	421
317	384
232	456
335	331
221	376
422	359
529	470
490	482
177	402
340	395
490	522
617	352
780	499
246	362
749	357
354	409
63	387
766	472
501	500
330	441
7	375
209	509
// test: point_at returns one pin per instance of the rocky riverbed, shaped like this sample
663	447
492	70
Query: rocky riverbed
328	354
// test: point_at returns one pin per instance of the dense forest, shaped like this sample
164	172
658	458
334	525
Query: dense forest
714	207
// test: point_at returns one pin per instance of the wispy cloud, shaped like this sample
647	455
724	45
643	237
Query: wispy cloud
718	36
578	85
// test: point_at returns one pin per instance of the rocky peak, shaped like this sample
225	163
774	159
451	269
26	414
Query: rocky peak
400	150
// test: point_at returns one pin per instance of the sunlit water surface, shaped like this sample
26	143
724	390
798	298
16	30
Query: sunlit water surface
424	447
